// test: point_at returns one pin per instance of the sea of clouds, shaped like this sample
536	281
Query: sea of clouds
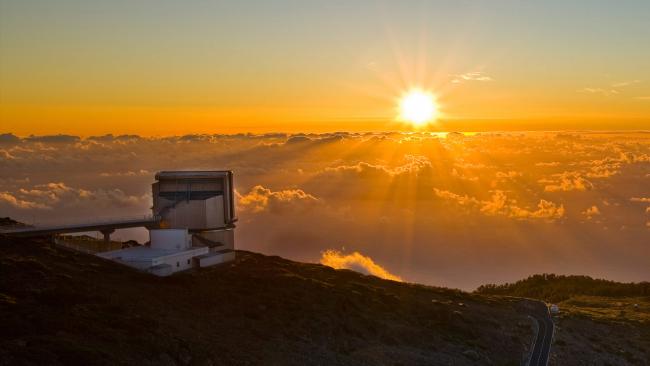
456	210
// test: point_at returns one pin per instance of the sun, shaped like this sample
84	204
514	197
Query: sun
418	107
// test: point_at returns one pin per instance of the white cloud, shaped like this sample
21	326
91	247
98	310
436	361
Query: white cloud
261	199
8	198
500	205
141	172
508	175
548	164
413	165
6	155
591	212
623	84
356	262
470	76
61	195
569	182
613	90
601	91
463	176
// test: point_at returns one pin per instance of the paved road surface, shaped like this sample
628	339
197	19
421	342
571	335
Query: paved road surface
542	348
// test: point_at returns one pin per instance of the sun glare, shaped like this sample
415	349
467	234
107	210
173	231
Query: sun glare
418	107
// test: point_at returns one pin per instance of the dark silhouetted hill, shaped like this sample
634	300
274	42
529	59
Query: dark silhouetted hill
555	288
599	322
59	307
9	222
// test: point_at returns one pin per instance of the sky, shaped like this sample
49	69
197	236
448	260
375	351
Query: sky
301	100
164	67
445	210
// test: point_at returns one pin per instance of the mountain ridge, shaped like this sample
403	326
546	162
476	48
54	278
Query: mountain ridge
58	306
552	288
64	307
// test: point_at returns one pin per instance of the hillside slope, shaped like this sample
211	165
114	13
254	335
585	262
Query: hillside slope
60	307
600	322
554	288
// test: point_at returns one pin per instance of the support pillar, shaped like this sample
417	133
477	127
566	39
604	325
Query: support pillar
107	235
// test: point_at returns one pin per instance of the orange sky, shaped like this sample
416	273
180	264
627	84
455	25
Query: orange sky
203	67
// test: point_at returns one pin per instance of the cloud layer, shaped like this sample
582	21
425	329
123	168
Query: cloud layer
437	209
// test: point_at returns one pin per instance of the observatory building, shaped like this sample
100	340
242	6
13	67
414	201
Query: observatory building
195	211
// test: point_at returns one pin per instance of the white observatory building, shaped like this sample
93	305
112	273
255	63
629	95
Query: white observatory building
196	218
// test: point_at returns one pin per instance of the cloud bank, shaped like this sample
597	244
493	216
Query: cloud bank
357	262
442	210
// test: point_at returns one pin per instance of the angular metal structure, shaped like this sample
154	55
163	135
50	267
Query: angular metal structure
194	200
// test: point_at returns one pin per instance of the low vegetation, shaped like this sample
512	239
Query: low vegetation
556	288
599	322
60	307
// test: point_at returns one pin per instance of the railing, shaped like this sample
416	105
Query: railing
96	225
97	220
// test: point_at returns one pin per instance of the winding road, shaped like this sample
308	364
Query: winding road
542	347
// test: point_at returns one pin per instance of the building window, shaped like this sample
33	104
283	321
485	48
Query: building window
188	261
178	264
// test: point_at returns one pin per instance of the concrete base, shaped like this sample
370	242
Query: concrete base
161	270
155	261
219	257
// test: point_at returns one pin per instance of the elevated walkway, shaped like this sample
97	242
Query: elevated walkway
106	227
